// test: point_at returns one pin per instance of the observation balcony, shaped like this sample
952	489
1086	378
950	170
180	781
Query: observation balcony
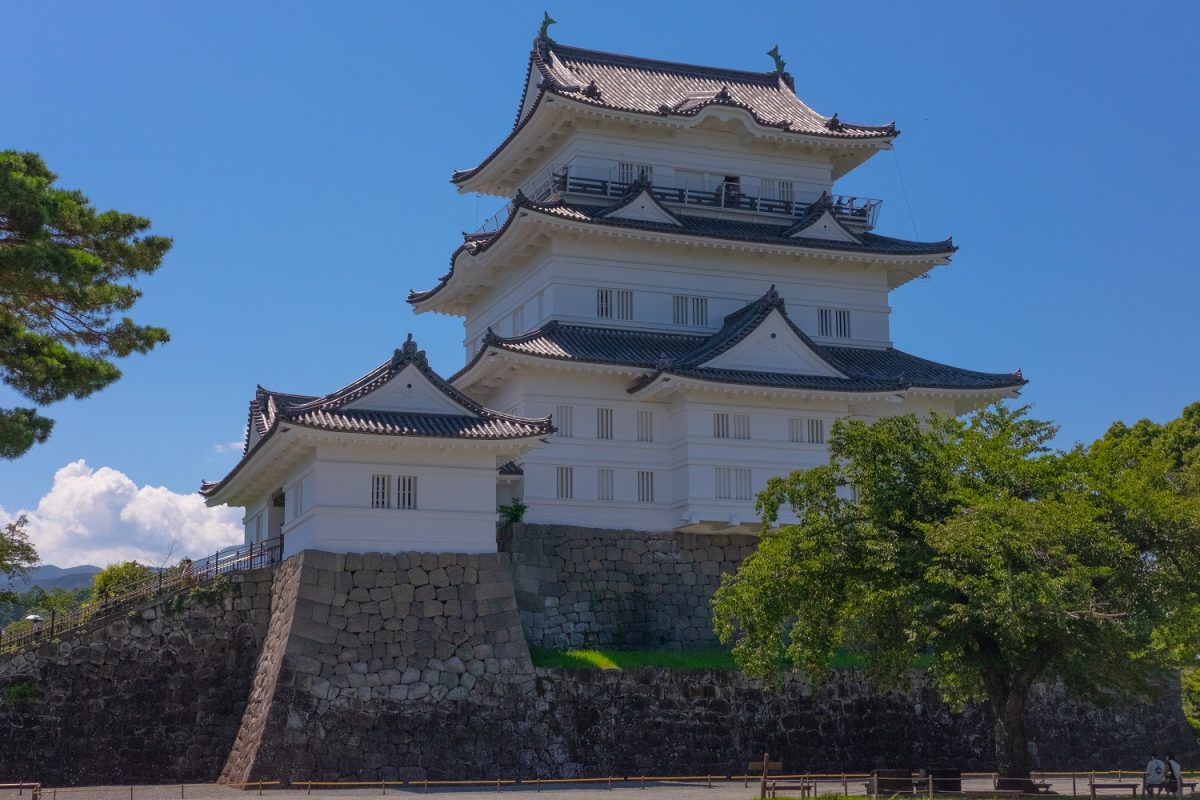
584	180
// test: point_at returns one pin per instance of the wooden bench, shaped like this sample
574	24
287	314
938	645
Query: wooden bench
981	793
1132	787
769	787
892	781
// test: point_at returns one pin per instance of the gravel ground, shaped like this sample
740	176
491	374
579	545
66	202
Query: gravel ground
720	790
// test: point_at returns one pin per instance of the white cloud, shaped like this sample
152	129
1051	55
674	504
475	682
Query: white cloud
229	447
100	516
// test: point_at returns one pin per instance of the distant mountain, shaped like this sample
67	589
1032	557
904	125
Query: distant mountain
50	577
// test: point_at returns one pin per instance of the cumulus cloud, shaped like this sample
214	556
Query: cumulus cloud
229	447
100	516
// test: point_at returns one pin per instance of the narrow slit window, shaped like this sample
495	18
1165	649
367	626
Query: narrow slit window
645	426
565	487
604	423
381	494
805	430
825	322
645	486
564	421
843	323
604	303
624	304
604	484
407	492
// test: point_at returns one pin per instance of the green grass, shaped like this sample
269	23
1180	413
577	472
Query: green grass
709	658
633	659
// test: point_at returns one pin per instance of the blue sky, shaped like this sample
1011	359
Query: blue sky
299	154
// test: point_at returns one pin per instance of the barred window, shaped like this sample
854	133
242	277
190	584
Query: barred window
604	484
689	310
406	496
805	430
604	423
564	421
297	500
833	322
645	486
732	483
565	489
645	426
628	173
624	304
604	303
731	426
381	491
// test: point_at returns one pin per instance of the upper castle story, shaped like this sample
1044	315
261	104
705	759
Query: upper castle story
655	195
710	141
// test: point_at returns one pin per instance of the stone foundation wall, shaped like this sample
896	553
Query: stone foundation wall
375	666
585	586
154	697
386	665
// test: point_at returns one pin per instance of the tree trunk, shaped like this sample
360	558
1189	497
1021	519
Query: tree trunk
1007	699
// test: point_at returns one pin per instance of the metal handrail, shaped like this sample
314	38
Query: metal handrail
166	581
730	195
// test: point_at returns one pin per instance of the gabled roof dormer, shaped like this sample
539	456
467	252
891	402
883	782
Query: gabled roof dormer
819	222
762	338
640	205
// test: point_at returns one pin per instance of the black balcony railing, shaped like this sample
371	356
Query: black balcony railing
27	634
727	195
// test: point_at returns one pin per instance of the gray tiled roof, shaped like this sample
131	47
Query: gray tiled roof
865	369
270	409
665	89
704	227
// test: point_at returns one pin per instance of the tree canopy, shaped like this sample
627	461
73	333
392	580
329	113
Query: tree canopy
972	546
66	274
17	553
116	579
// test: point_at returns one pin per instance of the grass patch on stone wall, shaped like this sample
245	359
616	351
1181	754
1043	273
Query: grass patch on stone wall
634	659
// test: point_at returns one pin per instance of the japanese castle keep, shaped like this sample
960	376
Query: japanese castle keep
675	305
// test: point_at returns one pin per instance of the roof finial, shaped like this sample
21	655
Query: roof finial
779	62
772	295
833	123
544	31
664	363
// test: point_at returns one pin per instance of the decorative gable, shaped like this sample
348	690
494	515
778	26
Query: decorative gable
773	346
411	392
826	227
642	206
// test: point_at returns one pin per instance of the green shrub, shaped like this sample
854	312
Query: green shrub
512	512
19	693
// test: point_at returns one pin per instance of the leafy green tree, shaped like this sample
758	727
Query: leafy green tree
973	547
17	553
115	579
66	272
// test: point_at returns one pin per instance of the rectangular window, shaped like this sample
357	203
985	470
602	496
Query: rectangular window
645	426
565	489
406	495
731	426
803	430
732	483
834	322
518	319
690	310
297	500
564	421
645	486
604	303
381	491
604	423
628	172
825	322
775	189
624	304
604	484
